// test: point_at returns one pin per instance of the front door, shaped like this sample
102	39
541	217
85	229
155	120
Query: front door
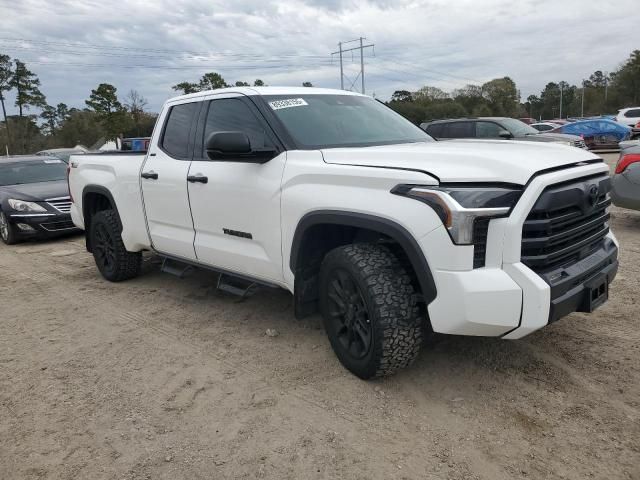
164	182
236	214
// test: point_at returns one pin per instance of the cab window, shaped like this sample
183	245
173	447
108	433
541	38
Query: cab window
175	139
233	115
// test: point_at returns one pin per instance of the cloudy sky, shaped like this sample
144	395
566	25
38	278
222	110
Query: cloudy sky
150	45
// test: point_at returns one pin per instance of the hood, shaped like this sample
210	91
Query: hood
36	192
550	137
465	160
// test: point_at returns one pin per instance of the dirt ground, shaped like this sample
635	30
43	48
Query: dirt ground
162	377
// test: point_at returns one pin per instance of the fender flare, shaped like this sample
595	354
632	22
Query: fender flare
370	222
102	191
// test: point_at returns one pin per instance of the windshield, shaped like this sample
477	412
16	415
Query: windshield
518	128
46	170
325	121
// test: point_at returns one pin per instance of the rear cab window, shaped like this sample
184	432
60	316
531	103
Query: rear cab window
177	128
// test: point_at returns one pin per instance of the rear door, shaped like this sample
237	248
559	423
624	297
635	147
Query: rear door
462	129
236	214
164	181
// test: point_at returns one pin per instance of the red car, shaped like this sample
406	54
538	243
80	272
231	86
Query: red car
528	120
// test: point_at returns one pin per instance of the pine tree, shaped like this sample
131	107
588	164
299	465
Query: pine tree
6	72
27	86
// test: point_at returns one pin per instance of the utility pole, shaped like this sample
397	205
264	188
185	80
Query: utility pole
362	64
560	100
582	105
341	71
341	51
606	86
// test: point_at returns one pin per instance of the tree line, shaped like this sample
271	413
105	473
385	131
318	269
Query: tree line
600	94
105	116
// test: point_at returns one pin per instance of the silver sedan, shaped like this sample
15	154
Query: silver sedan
626	179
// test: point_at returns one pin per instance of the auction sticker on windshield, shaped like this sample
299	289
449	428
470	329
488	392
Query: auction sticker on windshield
287	103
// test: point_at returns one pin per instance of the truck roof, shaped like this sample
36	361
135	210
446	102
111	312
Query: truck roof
268	91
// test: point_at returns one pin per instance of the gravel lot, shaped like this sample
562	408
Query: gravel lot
166	378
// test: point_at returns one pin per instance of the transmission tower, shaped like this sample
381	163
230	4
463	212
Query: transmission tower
342	51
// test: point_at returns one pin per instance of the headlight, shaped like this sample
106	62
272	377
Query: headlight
459	206
22	206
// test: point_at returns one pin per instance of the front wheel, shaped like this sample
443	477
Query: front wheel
369	308
112	258
7	231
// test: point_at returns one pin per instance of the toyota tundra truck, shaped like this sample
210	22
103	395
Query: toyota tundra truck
360	214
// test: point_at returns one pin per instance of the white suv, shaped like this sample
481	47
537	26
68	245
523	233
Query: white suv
631	117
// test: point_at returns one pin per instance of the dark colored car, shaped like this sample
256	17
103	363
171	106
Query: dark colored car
495	128
598	134
34	198
625	182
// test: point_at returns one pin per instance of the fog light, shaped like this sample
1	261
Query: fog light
25	228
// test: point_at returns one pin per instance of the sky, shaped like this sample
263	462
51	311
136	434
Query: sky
150	45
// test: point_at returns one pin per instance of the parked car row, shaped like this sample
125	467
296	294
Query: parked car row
495	128
595	134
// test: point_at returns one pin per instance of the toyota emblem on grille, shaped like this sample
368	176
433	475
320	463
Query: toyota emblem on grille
592	195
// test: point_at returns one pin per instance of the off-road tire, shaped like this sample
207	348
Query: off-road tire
9	235
105	233
391	303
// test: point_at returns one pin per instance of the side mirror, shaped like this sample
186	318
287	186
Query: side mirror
505	134
236	147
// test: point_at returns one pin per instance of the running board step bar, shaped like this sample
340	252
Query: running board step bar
236	286
175	267
228	282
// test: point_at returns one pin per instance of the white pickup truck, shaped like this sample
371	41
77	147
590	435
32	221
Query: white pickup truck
389	234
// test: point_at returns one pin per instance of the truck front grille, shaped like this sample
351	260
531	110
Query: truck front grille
480	231
568	222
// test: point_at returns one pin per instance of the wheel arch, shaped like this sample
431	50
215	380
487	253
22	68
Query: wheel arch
94	199
358	226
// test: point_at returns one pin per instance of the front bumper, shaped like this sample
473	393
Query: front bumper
28	225
507	298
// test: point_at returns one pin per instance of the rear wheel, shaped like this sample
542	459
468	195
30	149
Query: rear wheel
370	310
112	258
7	231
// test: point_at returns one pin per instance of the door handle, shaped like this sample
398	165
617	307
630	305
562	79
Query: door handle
149	175
197	178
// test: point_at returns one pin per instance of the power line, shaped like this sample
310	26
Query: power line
150	50
168	67
436	72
